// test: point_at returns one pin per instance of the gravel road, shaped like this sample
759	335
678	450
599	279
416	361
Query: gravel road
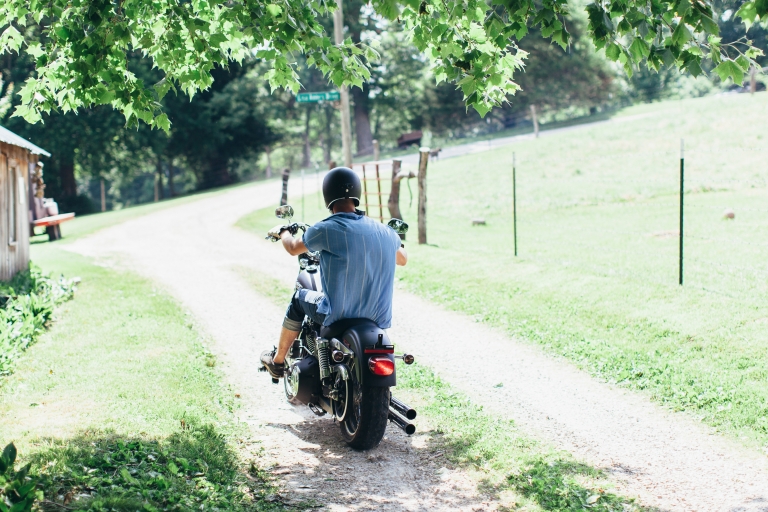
667	460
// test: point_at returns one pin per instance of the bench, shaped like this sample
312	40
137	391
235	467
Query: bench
407	139
51	224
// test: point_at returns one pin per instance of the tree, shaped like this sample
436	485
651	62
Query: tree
81	59
218	127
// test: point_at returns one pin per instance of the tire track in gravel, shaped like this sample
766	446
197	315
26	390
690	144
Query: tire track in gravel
667	460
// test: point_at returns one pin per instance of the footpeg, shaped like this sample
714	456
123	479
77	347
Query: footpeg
275	381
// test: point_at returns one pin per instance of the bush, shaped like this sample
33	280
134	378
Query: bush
17	490
26	308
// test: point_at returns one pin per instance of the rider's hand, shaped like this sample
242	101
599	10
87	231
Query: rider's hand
274	233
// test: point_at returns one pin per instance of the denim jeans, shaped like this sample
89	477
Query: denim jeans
304	303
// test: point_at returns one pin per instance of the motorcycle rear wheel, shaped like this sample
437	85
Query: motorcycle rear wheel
367	415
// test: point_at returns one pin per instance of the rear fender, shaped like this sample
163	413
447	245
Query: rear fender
360	337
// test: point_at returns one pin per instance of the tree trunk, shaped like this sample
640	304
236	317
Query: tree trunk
217	174
158	180
67	174
362	120
307	160
268	150
171	190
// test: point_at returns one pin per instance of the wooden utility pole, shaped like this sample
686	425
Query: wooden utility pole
394	193
103	197
376	151
422	179
535	121
346	123
753	80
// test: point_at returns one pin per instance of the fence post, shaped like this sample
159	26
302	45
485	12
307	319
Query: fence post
682	195
514	201
422	179
284	196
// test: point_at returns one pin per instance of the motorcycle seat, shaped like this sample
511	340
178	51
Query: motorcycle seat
336	329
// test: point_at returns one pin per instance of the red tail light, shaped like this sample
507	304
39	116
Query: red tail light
381	366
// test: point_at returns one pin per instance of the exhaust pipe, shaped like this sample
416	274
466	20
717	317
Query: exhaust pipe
404	409
402	423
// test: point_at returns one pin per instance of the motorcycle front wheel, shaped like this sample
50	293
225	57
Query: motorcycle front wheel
367	413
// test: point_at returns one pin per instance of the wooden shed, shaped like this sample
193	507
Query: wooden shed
17	157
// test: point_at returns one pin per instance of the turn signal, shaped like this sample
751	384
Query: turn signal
381	366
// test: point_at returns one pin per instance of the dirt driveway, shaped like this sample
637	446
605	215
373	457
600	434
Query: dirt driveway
194	251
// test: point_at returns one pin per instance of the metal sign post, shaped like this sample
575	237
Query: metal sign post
514	202
682	195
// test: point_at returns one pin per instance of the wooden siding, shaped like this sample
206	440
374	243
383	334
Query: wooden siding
14	256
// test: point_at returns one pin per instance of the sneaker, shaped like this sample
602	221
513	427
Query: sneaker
275	370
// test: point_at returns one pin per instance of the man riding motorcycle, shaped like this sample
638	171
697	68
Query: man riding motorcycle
357	262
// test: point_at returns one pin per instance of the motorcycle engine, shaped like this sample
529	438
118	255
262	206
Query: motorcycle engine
303	378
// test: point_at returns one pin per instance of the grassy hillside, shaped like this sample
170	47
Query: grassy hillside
596	276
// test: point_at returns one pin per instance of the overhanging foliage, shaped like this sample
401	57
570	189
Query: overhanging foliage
80	46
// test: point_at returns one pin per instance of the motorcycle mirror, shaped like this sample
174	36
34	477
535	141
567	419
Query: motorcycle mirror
398	225
284	212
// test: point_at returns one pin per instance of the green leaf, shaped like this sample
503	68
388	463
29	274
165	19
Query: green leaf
612	51
477	33
163	123
639	49
9	454
728	68
694	68
681	35
743	62
747	12
216	39
10	40
709	25
274	10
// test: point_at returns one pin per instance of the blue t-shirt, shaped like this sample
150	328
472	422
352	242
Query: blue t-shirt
357	265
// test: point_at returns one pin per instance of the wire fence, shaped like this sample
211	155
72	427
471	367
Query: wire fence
697	222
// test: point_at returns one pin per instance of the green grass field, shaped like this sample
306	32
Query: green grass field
118	406
596	276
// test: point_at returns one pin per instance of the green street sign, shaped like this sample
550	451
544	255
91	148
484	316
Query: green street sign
314	97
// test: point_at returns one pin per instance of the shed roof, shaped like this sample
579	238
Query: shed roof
9	137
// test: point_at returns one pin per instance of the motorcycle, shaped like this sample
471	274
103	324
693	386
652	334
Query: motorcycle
346	369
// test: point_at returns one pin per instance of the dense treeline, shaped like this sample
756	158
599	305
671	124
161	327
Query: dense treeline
239	129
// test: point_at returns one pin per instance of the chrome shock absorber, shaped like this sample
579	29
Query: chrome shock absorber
311	343
322	358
